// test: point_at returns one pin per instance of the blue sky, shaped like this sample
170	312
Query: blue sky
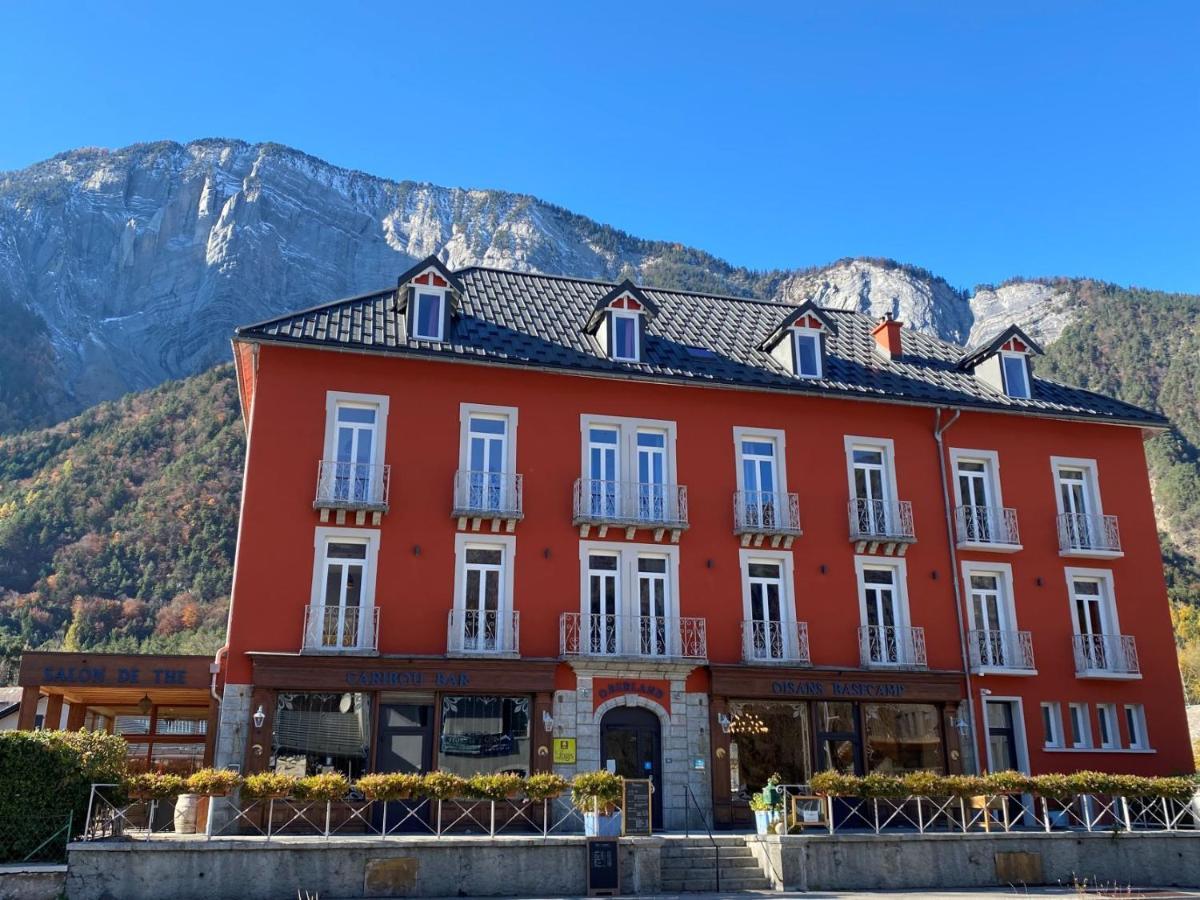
980	140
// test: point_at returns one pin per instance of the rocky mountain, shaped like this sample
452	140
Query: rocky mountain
129	267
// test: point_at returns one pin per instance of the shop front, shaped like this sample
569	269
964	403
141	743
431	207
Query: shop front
798	722
333	714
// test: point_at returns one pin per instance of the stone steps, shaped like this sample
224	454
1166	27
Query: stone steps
689	865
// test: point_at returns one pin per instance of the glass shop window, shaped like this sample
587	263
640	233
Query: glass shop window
903	737
765	738
316	733
484	735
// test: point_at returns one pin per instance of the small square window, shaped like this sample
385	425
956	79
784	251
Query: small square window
808	354
625	337
427	320
1016	375
1081	736
1135	722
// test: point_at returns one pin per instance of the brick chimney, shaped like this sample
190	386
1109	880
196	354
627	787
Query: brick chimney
887	336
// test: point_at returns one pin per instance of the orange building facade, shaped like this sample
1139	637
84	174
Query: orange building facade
462	550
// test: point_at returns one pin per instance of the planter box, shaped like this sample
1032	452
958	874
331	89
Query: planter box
764	819
599	825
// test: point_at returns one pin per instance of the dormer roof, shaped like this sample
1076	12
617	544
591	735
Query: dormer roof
619	298
1012	338
430	265
806	315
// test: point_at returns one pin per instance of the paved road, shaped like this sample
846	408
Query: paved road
1120	893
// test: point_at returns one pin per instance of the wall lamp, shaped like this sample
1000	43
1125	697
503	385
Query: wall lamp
259	717
724	721
547	721
416	549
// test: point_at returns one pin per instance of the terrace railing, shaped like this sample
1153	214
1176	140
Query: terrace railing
660	637
890	646
766	513
765	641
988	525
1088	534
1101	655
346	629
630	504
881	521
351	485
488	495
1000	650
483	632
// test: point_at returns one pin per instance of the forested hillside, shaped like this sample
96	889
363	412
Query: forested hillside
117	527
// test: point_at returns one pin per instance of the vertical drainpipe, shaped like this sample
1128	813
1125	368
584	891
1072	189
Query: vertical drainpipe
938	430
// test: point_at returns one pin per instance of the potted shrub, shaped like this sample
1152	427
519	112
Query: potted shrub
499	786
326	787
268	786
1008	782
596	794
388	786
835	784
545	786
766	812
443	786
154	786
213	782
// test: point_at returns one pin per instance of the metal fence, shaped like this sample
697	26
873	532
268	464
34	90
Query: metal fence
36	838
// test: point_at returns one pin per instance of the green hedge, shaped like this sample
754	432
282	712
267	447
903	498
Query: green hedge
1054	786
46	776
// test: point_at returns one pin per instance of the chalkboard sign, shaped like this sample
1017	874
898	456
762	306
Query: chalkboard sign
603	867
635	807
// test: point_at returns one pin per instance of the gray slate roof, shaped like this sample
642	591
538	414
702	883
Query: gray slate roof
525	319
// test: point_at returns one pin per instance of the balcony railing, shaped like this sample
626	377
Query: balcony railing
766	513
345	629
488	495
889	646
351	485
992	525
879	521
1009	650
1106	655
660	637
486	632
1088	534
630	504
775	642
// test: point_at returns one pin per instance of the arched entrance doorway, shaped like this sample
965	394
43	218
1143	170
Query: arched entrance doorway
631	738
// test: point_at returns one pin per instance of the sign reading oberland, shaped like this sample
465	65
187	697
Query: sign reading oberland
837	689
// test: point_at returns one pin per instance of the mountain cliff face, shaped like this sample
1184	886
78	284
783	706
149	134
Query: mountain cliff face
134	265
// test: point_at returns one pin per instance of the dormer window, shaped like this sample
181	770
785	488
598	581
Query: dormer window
429	317
808	353
1003	362
798	343
624	336
1016	374
618	322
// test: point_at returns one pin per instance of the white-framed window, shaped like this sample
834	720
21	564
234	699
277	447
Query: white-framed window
487	457
1079	726
761	476
1077	497
1093	606
1107	728
428	314
768	605
1135	726
342	601
1052	736
355	437
482	620
625	342
629	598
628	467
808	352
978	496
871	469
883	610
1015	367
992	615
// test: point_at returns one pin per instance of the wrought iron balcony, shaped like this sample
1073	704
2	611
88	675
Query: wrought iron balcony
657	637
1004	651
341	629
875	522
892	647
353	487
1080	535
775	642
484	632
1106	656
630	505
488	495
759	514
988	527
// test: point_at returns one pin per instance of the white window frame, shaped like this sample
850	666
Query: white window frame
1055	740
815	335
776	436
1005	583
1091	481
787	597
854	442
322	537
483	410
441	292
634	318
507	544
1082	741
903	615
1138	712
1024	360
1108	711
627	431
334	399
627	575
991	461
1108	595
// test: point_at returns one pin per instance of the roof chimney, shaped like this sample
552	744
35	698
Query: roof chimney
887	336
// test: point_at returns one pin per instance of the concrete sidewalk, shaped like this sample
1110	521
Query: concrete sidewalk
1117	892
